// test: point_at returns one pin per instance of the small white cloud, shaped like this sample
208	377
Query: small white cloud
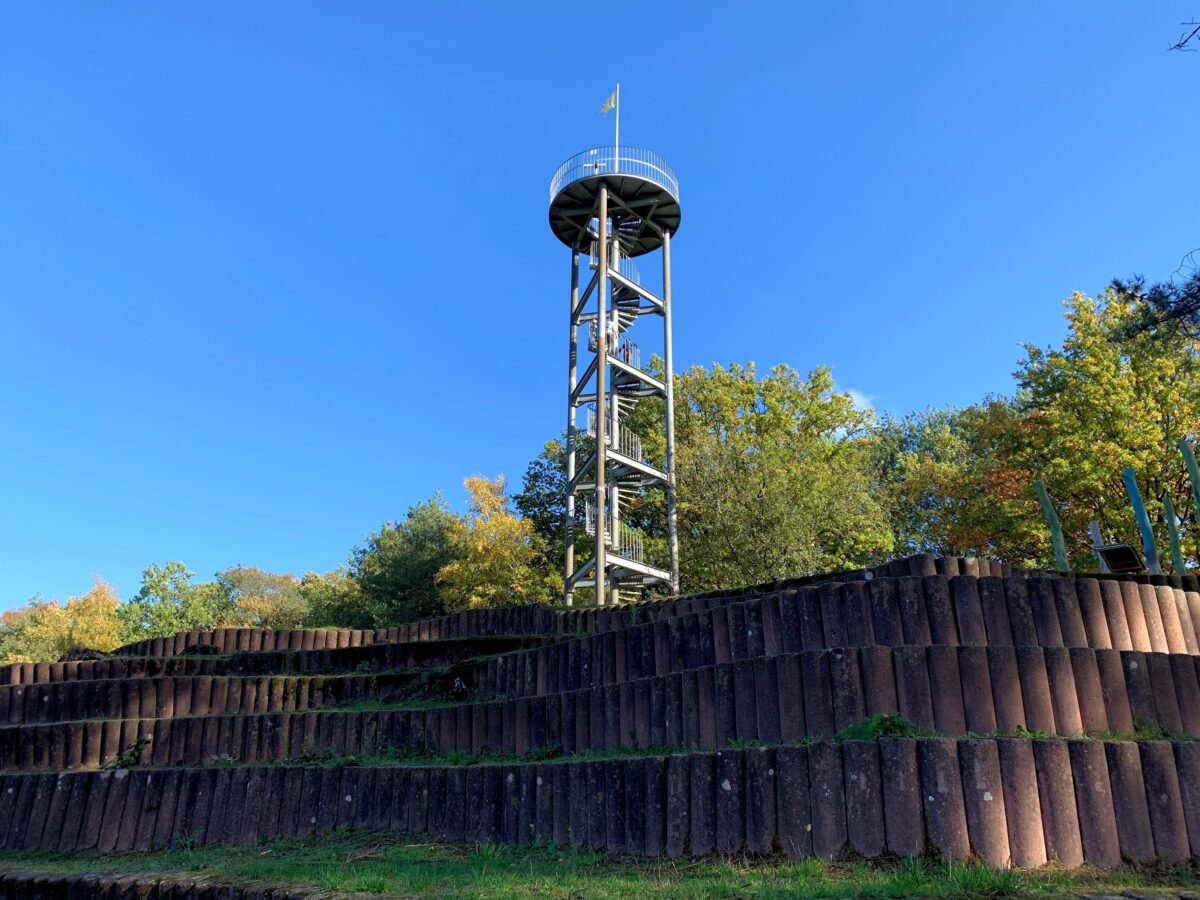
861	401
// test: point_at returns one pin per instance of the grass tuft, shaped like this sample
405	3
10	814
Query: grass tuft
883	725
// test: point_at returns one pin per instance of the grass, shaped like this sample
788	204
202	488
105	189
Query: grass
412	703
380	865
394	756
882	725
874	727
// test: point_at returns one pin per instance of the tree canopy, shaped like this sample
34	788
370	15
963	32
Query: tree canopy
1107	399
396	570
1111	396
168	602
773	477
263	599
44	630
1166	307
498	554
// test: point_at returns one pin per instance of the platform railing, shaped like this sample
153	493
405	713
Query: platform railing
629	441
625	350
630	542
629	353
625	266
636	161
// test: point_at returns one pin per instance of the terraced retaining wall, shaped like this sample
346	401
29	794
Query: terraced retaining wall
22	885
1008	801
695	725
526	619
1015	611
953	691
365	658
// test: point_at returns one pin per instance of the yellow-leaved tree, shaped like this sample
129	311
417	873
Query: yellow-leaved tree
92	619
498	554
44	630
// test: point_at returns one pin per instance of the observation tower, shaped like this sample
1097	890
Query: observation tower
610	206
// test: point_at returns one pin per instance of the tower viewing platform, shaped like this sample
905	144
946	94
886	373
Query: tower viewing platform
644	197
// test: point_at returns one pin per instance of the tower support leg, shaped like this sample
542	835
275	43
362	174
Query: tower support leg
572	363
602	401
669	412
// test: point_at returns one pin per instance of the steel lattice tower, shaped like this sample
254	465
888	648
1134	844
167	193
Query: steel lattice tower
610	205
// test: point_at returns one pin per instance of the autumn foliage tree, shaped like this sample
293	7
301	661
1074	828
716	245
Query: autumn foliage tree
44	630
498	554
1111	396
264	599
948	487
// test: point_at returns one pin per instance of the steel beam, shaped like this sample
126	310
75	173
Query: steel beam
573	483
637	288
644	377
669	409
601	398
574	398
572	356
577	308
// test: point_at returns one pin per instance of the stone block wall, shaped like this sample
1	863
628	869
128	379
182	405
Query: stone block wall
951	708
1008	801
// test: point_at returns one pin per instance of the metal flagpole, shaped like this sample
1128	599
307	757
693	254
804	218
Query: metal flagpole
617	136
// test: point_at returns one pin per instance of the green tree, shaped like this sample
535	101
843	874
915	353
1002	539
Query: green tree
1111	397
498	554
396	571
1165	308
168	602
948	488
264	599
774	477
921	461
334	600
542	500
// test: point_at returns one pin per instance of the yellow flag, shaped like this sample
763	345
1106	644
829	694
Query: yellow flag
610	103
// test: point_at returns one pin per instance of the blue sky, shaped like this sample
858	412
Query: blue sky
271	273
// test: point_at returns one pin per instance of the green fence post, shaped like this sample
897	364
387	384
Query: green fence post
1173	536
1056	537
1189	459
1143	521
